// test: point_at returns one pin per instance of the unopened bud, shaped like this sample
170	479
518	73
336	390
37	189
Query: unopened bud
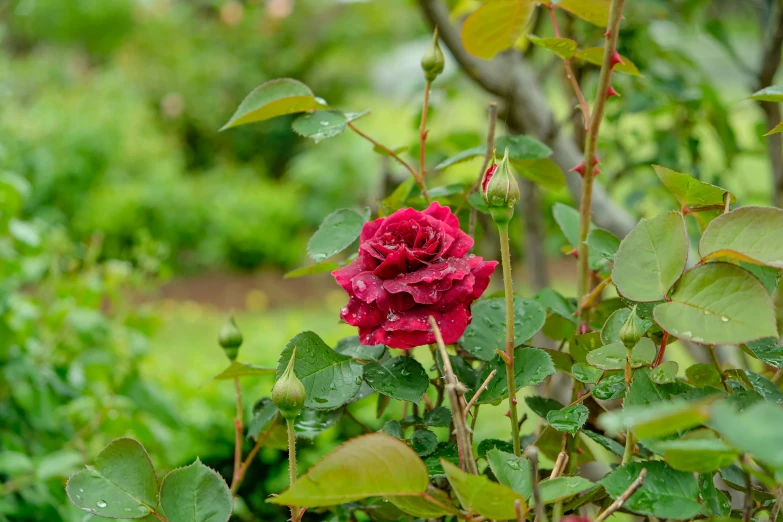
230	339
500	190
631	331
432	62
288	393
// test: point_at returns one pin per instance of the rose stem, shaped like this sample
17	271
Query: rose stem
532	453
591	145
419	179
292	463
464	443
570	73
716	363
425	106
617	504
508	286
479	392
239	431
250	456
492	111
588	301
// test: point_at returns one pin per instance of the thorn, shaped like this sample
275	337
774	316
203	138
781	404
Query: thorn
608	33
580	169
596	161
583	328
612	92
513	400
508	413
574	253
616	59
596	171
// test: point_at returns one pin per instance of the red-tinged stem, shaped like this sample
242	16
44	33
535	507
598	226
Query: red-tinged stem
662	349
425	107
591	145
570	74
238	427
505	256
250	456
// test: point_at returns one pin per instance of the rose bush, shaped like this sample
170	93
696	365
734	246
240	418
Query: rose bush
412	265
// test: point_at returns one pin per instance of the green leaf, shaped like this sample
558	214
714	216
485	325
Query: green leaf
582	372
438	417
664	373
240	369
397	199
612	386
462	370
701	375
692	193
773	93
764	386
311	423
655	420
775	130
122	484
541	406
562	360
767	350
583	344
613	356
479	495
511	471
607	443
271	99
699	455
393	428
366	466
487	332
543	172
769	276
595	55
556	303
319	268
337	232
495	26
531	366
751	234
520	149
421	507
569	419
402	378
567	219
330	379
755	430
562	488
195	493
563	47
666	493
718	303
716	502
351	347
423	442
320	125
651	258
487	445
264	411
445	451
603	242
594	11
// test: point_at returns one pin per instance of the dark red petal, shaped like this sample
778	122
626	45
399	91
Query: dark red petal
368	287
359	313
481	270
455	296
345	274
395	263
370	228
442	213
488	176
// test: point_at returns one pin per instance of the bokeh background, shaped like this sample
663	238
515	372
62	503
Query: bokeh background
132	228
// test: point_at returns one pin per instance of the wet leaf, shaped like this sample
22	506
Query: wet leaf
195	493
402	378
487	332
423	442
568	419
511	471
352	347
337	232
271	99
751	234
320	125
531	366
479	495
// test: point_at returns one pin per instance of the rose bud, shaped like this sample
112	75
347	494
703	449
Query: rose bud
500	190
230	339
631	332
433	61
288	393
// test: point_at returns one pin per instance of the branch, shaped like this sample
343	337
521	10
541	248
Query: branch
453	387
479	391
617	504
509	77
532	453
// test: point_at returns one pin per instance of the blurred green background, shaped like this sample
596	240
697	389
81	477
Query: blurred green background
131	228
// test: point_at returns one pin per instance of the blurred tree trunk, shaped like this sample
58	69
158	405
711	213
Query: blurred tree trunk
770	62
509	77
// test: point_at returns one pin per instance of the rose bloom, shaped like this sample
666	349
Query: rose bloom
413	265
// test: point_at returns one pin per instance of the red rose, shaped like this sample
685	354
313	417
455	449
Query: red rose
413	265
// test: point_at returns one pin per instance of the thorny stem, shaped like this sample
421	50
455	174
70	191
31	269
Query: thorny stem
617	504
239	431
591	145
464	443
292	462
538	505
661	350
746	515
419	179
250	456
570	73
508	287
425	107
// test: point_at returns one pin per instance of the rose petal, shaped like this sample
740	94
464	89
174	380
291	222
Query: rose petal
361	314
368	287
442	213
345	274
413	327
457	295
394	264
481	270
